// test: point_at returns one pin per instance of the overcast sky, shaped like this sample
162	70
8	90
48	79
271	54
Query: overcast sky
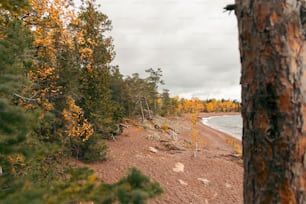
192	41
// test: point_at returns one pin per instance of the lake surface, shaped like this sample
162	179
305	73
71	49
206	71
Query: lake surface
230	124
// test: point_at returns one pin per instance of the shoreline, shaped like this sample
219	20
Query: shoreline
213	176
212	114
204	121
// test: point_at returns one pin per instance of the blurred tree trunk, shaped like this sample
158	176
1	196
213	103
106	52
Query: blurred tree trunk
271	41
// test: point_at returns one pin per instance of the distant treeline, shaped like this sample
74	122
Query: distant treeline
209	105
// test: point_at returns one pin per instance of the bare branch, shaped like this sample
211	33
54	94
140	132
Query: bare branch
25	98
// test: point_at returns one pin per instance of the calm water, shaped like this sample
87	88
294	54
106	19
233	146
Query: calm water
230	124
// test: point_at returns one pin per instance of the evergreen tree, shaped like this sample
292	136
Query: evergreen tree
15	122
95	54
154	80
14	6
168	104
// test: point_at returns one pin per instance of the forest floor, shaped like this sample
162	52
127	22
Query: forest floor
214	175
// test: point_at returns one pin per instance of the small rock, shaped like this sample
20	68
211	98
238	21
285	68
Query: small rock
204	181
179	167
138	156
228	185
183	182
152	149
153	136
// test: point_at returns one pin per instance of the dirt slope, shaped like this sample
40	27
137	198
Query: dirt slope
213	176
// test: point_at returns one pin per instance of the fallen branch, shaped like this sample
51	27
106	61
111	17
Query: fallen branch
166	145
232	155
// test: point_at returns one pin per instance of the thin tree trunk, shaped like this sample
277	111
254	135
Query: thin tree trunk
155	105
271	44
148	108
141	109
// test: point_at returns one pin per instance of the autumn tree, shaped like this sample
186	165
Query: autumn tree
195	133
272	43
95	53
214	105
49	25
191	105
31	83
76	125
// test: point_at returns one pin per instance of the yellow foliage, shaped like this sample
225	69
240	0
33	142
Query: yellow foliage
187	145
11	160
20	158
164	127
50	32
202	142
235	144
47	105
17	162
138	129
238	149
213	105
195	132
191	106
194	118
92	178
76	124
221	106
159	101
194	136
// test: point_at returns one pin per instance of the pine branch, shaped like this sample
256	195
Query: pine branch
230	8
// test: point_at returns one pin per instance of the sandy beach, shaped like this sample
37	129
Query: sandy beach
213	176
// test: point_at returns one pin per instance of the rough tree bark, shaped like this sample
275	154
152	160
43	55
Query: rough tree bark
273	80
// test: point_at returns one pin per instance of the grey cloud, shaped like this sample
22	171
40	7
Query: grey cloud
193	41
